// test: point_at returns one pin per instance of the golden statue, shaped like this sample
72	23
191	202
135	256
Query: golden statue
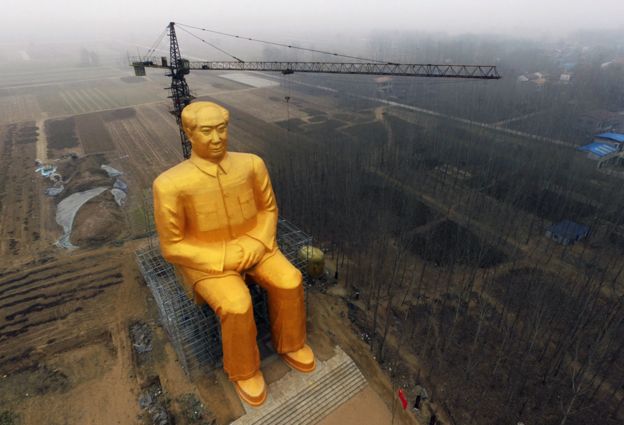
216	218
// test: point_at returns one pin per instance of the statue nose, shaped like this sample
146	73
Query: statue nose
213	137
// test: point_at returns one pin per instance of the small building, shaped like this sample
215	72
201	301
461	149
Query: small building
536	76
384	84
605	154
538	79
598	150
567	232
614	62
614	139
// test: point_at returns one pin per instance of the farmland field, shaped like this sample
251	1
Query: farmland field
379	184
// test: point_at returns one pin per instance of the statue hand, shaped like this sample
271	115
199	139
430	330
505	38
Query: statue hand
253	251
233	256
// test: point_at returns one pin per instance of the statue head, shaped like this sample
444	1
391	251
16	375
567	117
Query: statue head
205	124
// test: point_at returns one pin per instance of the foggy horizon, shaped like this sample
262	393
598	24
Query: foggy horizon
38	21
458	229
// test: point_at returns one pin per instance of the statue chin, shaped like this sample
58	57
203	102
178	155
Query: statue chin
211	155
215	157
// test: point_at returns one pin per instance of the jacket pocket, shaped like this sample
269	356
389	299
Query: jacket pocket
248	204
204	213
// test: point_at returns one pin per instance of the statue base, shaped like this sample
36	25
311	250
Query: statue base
299	398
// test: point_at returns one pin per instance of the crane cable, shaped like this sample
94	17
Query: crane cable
287	99
282	45
213	46
155	45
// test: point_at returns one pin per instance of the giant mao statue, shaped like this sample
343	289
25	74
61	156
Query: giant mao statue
216	218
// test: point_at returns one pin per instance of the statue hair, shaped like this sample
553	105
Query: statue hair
189	114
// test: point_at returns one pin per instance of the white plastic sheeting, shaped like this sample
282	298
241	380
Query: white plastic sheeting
112	172
121	185
46	170
49	171
120	196
54	190
66	212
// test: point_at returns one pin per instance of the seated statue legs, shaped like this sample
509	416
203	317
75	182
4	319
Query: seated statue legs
229	297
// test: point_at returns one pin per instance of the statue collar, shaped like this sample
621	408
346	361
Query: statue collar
210	167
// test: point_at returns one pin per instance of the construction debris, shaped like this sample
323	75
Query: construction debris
54	190
153	401
141	337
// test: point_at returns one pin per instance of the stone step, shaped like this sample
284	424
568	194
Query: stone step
316	402
305	399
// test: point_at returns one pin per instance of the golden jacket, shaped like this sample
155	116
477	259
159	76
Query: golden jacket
199	206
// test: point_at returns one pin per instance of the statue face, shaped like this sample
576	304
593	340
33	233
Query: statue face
210	136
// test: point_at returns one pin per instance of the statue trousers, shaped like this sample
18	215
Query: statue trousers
228	295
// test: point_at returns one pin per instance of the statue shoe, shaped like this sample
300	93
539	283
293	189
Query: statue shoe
253	390
301	360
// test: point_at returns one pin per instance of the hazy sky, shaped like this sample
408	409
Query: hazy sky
504	16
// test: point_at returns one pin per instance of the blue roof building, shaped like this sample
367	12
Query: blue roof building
598	150
567	232
607	148
610	137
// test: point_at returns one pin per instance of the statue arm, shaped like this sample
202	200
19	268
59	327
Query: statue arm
170	223
266	227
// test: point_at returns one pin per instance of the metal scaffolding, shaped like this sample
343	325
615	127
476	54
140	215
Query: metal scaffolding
194	330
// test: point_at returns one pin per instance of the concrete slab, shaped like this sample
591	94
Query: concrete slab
366	407
250	80
301	399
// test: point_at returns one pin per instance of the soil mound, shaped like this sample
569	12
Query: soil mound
86	181
80	174
99	221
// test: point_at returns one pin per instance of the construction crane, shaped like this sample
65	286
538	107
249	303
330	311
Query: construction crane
178	67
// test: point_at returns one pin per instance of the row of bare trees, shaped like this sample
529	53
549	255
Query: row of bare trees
440	238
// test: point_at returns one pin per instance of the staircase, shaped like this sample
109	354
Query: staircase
304	399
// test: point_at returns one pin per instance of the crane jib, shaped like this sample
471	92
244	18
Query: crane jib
397	69
178	67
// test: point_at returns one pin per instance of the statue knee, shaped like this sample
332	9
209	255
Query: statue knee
236	305
291	279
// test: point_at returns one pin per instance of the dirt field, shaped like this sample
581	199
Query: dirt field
24	221
93	135
69	319
66	337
